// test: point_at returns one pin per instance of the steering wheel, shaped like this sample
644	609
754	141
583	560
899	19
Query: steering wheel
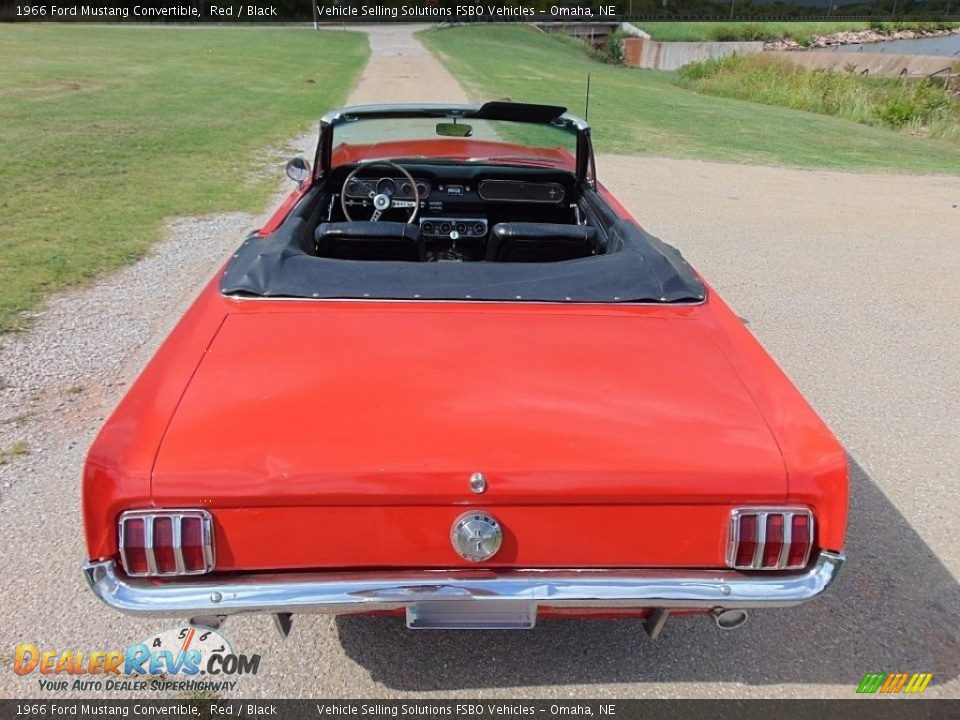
382	201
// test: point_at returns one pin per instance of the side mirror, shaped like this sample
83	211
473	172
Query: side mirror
298	170
454	130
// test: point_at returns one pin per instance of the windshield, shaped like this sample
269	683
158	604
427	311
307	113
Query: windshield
500	140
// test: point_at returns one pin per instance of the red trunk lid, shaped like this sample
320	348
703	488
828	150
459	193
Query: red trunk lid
349	403
386	404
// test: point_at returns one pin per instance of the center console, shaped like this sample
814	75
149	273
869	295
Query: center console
453	228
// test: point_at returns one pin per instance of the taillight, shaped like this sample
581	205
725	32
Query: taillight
133	546
770	538
747	541
773	541
163	543
802	538
195	548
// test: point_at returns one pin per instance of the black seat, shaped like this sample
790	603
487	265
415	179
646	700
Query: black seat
367	240
540	242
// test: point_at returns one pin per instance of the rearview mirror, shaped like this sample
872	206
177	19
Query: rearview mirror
454	130
298	170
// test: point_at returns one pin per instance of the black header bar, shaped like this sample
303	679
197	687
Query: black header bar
353	11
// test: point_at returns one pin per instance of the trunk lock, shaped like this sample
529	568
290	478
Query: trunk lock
478	483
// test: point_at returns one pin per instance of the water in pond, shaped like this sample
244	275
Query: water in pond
947	45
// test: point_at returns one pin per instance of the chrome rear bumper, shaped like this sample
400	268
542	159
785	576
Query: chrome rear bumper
358	592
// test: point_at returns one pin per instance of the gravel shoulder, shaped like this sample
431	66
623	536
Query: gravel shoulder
849	279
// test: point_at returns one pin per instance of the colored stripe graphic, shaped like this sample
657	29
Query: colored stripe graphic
918	683
892	683
871	682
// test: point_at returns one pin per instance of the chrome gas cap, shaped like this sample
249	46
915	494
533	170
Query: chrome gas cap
476	535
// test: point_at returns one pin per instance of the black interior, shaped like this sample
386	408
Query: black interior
465	214
367	240
540	242
574	248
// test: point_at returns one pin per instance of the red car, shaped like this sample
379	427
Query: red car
453	379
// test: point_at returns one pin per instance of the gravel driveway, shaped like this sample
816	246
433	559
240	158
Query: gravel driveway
849	279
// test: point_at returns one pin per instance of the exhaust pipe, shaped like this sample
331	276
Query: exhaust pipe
729	619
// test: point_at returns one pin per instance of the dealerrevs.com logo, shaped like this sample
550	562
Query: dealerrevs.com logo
186	659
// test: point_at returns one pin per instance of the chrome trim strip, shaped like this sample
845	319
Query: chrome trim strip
339	593
148	544
734	540
177	530
757	563
208	556
122	544
787	538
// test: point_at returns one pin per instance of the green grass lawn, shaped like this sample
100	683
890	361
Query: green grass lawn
645	112
105	131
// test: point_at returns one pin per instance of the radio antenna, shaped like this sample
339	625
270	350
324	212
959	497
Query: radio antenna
586	109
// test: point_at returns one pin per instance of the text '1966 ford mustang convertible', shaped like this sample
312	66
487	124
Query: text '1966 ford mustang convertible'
452	379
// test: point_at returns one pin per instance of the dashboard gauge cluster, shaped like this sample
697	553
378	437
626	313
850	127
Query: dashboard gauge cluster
399	188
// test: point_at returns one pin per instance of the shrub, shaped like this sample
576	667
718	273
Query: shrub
920	105
708	68
723	33
754	31
897	110
613	52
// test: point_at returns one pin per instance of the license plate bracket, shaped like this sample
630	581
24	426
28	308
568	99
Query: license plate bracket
472	615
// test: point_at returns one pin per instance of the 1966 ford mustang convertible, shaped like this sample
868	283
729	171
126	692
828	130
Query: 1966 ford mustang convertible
452	379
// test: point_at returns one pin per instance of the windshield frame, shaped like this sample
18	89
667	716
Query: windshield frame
550	115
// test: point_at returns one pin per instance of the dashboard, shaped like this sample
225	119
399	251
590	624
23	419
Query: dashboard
491	190
462	203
